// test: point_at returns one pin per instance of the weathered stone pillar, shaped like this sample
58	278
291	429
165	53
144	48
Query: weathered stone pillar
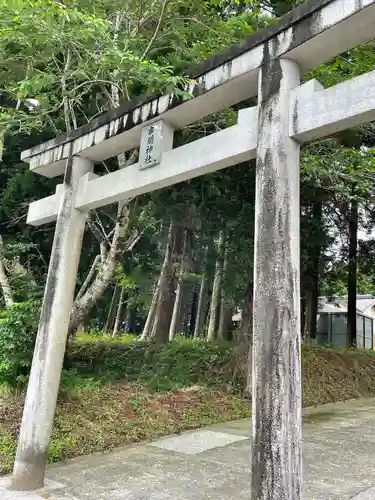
276	457
40	404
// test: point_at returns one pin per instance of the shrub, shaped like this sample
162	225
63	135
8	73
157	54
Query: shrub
18	328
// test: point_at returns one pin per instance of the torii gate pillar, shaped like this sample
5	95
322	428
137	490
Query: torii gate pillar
276	343
42	390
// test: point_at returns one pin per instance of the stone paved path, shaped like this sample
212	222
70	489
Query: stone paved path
213	463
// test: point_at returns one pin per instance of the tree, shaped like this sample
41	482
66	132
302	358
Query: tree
215	299
179	291
4	281
77	59
164	307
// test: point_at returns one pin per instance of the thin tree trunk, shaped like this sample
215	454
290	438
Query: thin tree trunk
183	306
164	308
193	311
119	312
226	312
226	322
186	308
202	301
127	325
308	315
4	282
112	309
245	333
89	277
178	298
314	309
147	329
215	299
246	327
303	310
316	276
178	311
315	300
312	291
352	274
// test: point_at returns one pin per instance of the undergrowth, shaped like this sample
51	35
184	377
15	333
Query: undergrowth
115	392
159	368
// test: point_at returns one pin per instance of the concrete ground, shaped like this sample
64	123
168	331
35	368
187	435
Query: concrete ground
213	463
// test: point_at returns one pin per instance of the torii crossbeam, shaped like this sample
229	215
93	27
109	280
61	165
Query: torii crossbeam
269	65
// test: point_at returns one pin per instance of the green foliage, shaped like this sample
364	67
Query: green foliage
18	328
74	384
336	278
178	364
99	336
328	374
8	447
71	56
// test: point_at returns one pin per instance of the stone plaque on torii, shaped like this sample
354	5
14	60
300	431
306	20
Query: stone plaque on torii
267	64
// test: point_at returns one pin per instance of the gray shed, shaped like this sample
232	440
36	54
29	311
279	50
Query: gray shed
331	329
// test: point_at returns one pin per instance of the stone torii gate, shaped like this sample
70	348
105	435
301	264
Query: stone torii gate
267	64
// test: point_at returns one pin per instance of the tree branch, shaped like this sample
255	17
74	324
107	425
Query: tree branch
88	278
94	229
157	29
64	93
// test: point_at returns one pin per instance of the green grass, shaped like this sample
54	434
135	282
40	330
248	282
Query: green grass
159	368
87	338
115	392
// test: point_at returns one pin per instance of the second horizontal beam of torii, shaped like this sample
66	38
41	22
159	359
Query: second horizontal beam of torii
315	112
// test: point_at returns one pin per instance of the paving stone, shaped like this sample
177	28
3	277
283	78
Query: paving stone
197	442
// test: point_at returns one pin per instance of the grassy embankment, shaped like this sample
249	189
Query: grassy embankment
114	393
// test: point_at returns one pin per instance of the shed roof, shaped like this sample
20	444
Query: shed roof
340	303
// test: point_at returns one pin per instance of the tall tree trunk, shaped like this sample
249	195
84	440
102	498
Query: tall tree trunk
303	310
215	299
226	312
127	322
186	308
164	308
312	294
147	329
226	322
308	320
316	276
206	317
112	309
183	307
4	282
245	331
120	307
193	311
179	293
352	274
202	301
